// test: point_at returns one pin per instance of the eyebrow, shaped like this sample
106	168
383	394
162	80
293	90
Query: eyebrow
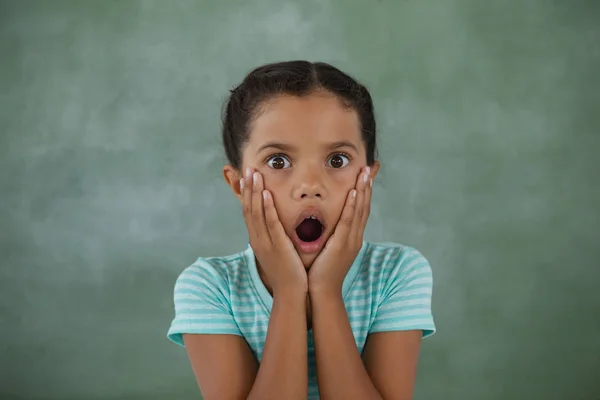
289	148
344	143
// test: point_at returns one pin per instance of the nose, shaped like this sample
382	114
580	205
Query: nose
309	184
310	192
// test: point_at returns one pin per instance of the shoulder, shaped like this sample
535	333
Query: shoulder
202	297
211	280
395	260
403	284
215	270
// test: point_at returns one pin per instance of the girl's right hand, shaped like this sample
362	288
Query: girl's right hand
273	249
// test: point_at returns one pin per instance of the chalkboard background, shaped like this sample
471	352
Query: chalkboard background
110	182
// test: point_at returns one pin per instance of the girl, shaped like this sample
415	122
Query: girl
308	309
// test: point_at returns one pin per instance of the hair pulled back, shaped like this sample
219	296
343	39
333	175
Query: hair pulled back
296	78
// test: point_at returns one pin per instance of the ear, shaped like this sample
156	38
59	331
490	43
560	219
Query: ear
232	177
374	169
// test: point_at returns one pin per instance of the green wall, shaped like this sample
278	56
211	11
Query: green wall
110	182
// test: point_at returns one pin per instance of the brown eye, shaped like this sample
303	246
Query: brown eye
278	162
338	161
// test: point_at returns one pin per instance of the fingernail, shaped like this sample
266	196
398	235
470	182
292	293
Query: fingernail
265	194
353	193
371	183
366	177
255	178
248	172
242	184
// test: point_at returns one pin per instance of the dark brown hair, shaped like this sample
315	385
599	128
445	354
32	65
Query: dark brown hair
297	78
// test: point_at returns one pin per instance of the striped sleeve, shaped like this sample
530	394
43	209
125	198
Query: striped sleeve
406	301
201	299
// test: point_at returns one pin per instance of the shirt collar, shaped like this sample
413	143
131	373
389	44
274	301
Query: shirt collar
266	297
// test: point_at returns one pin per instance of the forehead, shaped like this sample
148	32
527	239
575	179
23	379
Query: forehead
318	119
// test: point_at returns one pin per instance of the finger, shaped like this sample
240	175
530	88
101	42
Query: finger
344	225
274	226
258	215
361	184
361	187
367	202
246	189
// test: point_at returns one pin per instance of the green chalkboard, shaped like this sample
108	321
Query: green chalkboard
110	181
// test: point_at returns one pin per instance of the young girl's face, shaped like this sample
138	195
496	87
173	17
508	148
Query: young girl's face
310	152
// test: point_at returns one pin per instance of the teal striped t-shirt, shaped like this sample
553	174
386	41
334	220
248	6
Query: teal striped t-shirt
388	288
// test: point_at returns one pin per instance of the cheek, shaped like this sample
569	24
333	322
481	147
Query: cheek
345	179
274	181
343	182
338	195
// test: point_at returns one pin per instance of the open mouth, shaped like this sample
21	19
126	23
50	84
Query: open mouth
309	236
310	229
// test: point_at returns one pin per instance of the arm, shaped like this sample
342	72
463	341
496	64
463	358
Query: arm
223	365
225	368
390	358
340	371
403	315
283	373
391	361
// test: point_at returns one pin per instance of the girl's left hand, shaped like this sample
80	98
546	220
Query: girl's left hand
328	271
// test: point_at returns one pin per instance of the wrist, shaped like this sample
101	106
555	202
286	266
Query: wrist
291	292
320	291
